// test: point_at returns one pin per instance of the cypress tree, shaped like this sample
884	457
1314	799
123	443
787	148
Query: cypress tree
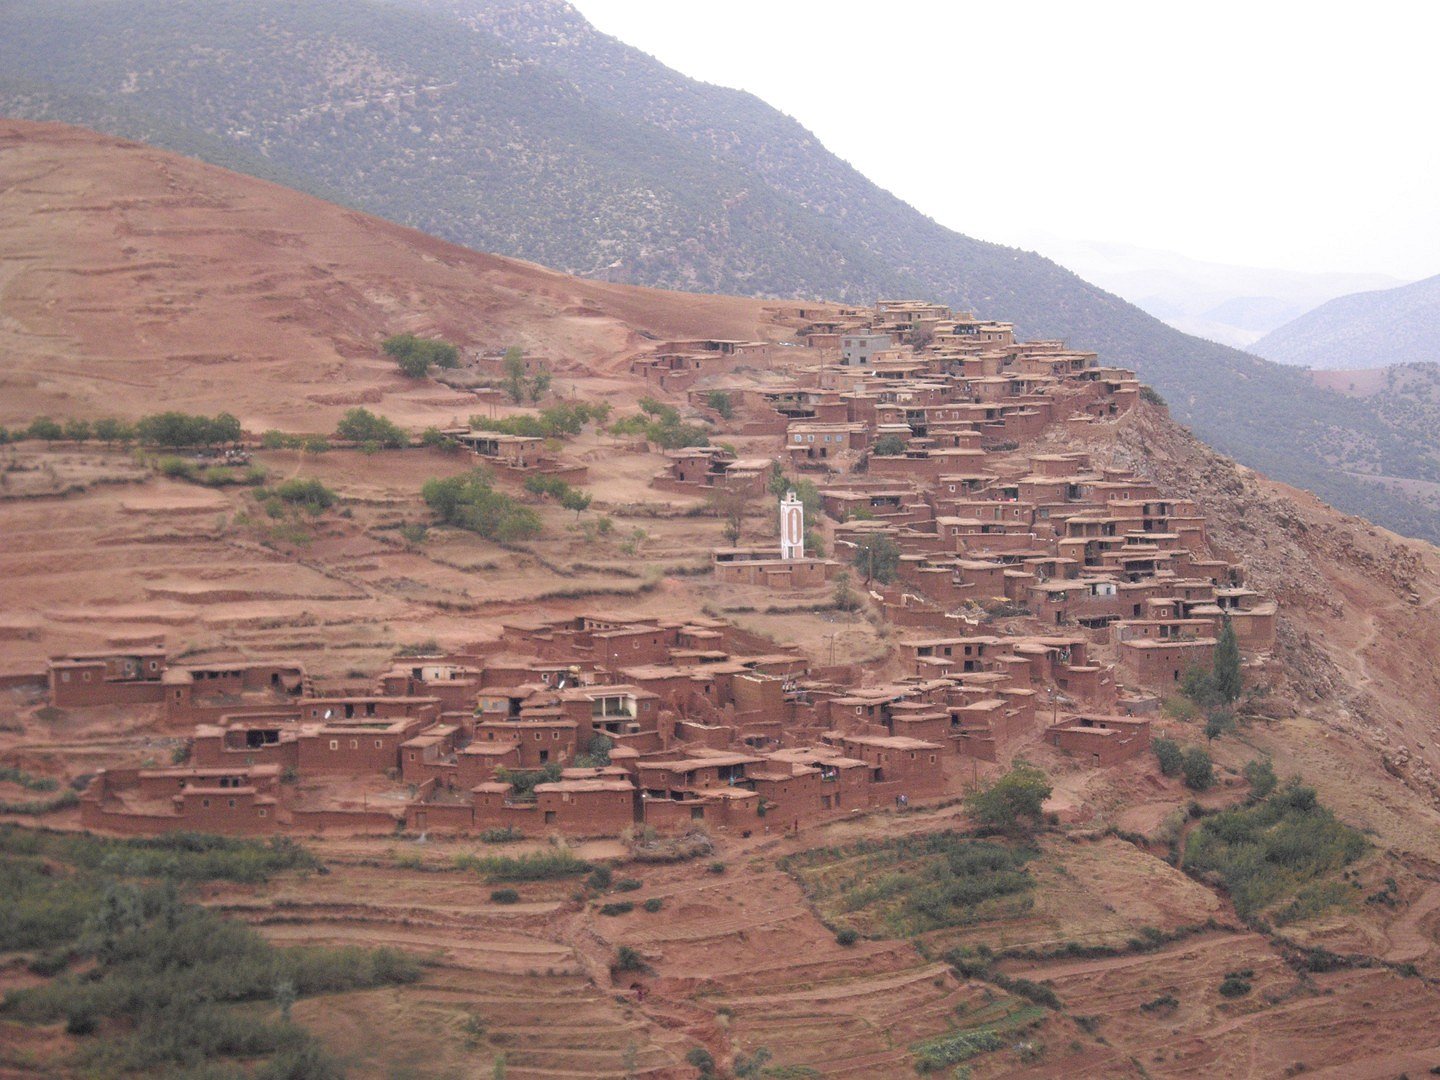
1227	664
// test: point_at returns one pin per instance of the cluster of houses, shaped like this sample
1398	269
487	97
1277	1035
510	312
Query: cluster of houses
1039	597
585	726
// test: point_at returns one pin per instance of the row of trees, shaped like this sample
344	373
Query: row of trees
562	421
661	424
173	430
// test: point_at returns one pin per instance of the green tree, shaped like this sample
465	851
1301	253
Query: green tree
364	428
112	431
845	597
753	1064
577	500
1197	769
730	504
470	502
1014	803
889	446
42	427
512	368
1260	775
416	355
77	431
720	401
1228	683
877	557
1168	753
1218	722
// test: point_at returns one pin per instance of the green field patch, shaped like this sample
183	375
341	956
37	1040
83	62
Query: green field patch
1286	847
916	884
982	1031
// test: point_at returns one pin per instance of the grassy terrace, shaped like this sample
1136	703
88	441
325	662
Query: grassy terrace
913	885
143	981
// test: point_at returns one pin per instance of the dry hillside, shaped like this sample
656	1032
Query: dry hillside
134	280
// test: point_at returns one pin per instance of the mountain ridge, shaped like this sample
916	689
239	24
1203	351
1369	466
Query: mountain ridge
515	127
1373	329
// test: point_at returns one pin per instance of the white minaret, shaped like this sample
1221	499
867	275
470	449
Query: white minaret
792	527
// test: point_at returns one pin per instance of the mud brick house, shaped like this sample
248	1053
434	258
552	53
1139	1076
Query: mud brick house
148	801
1101	740
703	470
752	566
198	694
117	678
812	441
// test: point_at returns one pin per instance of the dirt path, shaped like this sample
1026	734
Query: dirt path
1407	936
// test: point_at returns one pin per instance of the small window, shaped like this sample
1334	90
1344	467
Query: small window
263	812
85	675
334	744
205	803
65	676
378	744
354	744
232	804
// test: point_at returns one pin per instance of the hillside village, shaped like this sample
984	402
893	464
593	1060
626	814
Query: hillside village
1037	597
686	746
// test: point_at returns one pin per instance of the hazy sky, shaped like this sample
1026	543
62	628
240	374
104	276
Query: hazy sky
1295	135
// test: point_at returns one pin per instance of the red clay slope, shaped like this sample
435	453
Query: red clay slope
133	279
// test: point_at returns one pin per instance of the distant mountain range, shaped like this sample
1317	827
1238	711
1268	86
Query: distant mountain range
1234	305
513	126
1365	330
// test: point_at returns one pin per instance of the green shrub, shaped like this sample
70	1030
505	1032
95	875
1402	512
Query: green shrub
470	502
628	885
720	401
1014	802
1233	987
364	428
310	494
653	905
1197	769
914	884
1261	777
508	835
177	429
1274	848
627	959
700	1058
599	878
716	868
534	866
847	936
505	896
619	907
415	355
889	446
1168	753
15	775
